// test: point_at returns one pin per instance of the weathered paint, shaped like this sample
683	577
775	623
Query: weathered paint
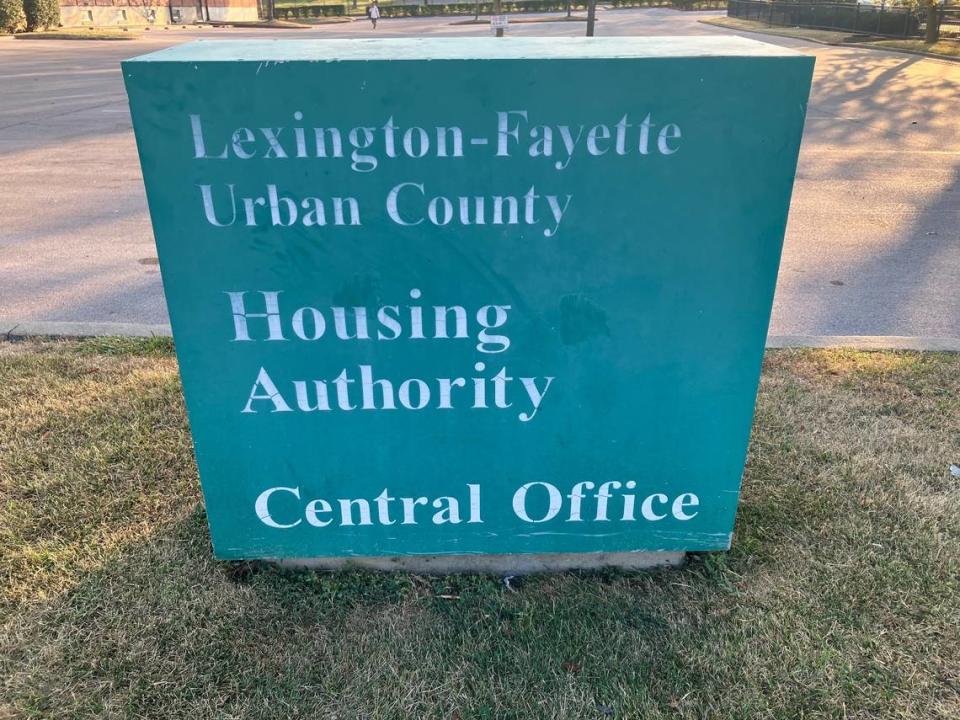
612	329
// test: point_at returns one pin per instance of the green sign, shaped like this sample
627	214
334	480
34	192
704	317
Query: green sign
458	296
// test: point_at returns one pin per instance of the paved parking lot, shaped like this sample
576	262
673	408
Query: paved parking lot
873	244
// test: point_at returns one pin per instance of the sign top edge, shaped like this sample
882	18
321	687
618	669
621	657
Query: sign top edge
552	48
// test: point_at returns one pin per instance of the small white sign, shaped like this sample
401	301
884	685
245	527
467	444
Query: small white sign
498	21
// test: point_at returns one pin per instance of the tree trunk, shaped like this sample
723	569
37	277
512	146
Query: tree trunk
591	16
933	22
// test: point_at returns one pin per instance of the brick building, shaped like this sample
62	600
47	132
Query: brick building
100	13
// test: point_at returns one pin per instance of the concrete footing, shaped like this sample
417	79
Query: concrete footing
92	15
11	329
493	564
866	342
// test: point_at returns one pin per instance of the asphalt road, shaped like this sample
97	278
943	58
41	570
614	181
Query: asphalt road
873	244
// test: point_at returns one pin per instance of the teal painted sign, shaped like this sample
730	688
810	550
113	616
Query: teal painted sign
469	295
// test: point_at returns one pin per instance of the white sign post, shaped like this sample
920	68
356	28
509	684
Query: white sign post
498	22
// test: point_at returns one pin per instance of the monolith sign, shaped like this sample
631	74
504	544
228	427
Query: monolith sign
469	296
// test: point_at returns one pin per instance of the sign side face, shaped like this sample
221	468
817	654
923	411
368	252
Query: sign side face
488	306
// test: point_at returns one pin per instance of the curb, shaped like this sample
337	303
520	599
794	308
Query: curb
902	51
862	46
524	21
11	330
865	342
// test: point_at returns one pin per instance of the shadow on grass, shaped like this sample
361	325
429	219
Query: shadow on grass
839	596
164	630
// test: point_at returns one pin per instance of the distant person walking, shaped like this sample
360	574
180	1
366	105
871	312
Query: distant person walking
374	13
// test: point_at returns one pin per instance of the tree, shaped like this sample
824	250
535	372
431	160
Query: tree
12	17
933	20
591	16
41	14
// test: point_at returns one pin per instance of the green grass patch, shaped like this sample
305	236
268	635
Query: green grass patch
826	36
78	34
322	3
943	48
117	345
948	48
840	597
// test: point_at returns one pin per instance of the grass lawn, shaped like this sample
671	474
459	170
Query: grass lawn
795	32
361	4
301	3
840	598
946	48
78	34
943	48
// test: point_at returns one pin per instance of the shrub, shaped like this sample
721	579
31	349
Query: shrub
12	17
42	14
487	7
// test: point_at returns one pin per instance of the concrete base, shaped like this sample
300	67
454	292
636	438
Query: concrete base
109	16
866	342
228	14
141	16
10	329
493	564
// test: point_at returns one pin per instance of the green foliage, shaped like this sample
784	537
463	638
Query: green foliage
307	11
12	17
487	7
41	14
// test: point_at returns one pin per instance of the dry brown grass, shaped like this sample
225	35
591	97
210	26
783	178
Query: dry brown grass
79	34
840	598
945	48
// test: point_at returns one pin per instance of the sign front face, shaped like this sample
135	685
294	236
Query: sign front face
469	296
